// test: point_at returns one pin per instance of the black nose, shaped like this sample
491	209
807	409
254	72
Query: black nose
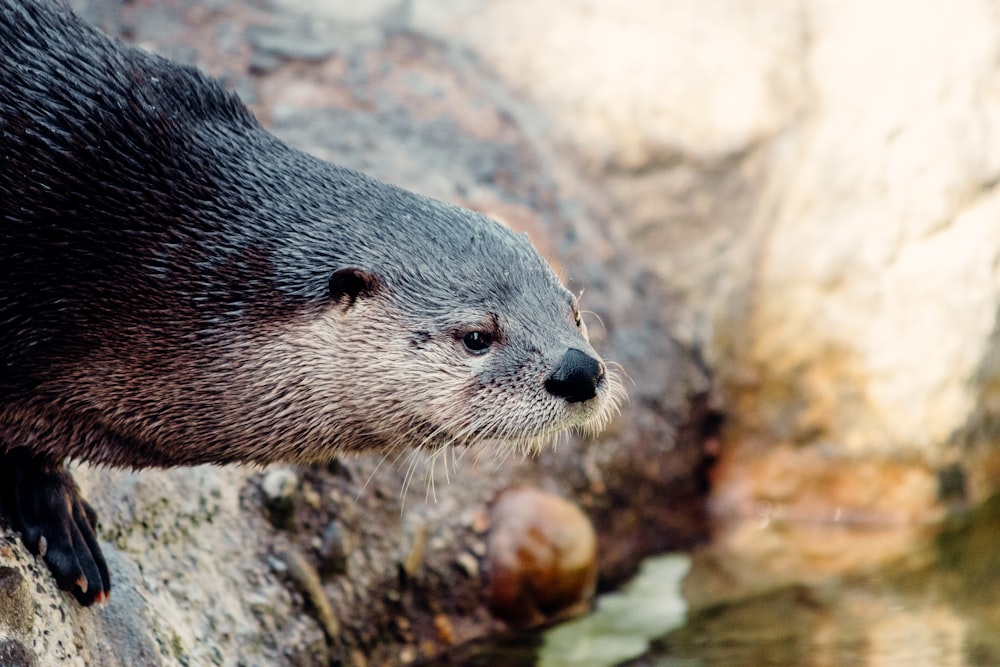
576	378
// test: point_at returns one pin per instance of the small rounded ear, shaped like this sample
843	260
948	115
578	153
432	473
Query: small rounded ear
348	284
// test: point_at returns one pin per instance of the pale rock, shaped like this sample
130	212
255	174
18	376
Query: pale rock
881	265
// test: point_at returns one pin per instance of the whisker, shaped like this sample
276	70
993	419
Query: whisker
604	328
621	371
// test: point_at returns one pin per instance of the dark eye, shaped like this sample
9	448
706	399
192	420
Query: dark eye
477	342
576	316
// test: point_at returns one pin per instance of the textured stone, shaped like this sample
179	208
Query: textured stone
15	654
16	613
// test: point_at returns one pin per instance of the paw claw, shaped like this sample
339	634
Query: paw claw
56	523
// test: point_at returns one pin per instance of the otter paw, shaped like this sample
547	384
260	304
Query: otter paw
58	524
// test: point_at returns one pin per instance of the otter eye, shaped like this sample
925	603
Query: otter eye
477	342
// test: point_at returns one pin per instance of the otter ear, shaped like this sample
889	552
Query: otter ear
347	284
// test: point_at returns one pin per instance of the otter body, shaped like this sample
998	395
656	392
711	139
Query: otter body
177	286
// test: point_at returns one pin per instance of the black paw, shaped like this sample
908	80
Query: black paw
56	523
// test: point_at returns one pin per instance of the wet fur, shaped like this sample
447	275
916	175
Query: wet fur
165	274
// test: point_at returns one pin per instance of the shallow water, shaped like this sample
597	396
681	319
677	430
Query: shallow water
768	592
845	595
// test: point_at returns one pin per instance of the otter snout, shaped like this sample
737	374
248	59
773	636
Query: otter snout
576	378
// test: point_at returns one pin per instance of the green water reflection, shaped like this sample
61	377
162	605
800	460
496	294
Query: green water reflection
935	603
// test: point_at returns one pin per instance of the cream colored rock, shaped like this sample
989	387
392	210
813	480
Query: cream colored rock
880	277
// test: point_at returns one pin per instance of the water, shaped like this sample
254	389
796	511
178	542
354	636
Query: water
843	595
768	592
622	623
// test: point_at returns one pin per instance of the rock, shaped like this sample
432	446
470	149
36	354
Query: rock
878	287
280	488
542	556
332	551
279	43
635	83
15	654
17	619
16	614
880	281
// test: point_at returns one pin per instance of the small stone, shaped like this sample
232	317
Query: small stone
445	630
469	564
480	522
277	565
332	551
407	655
542	557
280	489
311	496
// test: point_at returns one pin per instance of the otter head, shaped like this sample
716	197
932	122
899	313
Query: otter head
448	329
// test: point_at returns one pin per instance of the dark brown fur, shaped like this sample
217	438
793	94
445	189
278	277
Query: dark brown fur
177	286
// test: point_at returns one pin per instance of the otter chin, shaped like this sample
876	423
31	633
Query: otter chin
178	286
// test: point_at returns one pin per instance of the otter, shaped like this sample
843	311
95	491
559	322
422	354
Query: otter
178	287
